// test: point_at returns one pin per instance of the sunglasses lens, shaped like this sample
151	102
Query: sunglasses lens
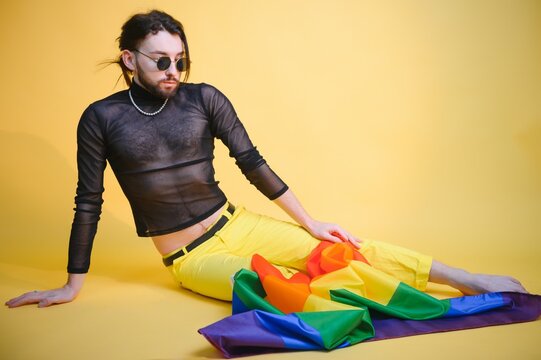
163	63
181	64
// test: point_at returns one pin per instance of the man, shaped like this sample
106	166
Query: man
158	138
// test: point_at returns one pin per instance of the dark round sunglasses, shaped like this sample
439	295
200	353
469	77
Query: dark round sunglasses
164	62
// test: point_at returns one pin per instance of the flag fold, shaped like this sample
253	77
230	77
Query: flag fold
341	301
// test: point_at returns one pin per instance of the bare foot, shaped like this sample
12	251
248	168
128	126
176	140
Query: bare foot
483	283
471	284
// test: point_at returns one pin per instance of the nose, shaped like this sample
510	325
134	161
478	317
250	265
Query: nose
172	69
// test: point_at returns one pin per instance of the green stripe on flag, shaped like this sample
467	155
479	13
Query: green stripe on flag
249	290
416	305
406	303
337	327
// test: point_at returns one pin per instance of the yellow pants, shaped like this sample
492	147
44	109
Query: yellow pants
208	268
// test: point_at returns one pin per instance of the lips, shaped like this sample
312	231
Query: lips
169	81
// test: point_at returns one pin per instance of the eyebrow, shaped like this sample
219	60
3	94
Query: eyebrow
164	53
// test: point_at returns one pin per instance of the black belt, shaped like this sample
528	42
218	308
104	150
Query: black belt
207	235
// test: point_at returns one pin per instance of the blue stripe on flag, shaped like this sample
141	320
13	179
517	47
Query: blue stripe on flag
468	305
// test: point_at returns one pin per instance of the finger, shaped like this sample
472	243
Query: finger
331	238
46	302
24	299
55	299
328	236
340	233
354	241
21	297
347	237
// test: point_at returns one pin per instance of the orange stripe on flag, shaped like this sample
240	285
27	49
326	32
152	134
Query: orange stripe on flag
288	295
328	257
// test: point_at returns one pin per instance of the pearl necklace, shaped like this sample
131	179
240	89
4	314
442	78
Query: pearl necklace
144	112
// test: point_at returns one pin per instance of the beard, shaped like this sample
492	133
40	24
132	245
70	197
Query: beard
155	89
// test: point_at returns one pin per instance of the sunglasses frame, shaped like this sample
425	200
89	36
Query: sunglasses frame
166	61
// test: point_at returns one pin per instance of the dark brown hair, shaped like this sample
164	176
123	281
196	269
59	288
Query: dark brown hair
139	26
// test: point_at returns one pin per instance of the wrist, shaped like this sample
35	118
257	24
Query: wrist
70	288
308	224
75	283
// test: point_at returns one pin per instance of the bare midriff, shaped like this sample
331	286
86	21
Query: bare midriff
178	239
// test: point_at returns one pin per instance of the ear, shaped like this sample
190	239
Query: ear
128	58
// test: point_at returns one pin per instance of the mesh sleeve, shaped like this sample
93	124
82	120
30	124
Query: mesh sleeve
226	126
91	163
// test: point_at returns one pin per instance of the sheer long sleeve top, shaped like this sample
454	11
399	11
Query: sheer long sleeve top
163	163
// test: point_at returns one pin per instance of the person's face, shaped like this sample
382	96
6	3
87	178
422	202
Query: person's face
162	83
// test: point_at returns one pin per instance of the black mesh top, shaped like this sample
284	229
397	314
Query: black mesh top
163	162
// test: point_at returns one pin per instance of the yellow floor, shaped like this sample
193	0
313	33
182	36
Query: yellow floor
135	311
411	121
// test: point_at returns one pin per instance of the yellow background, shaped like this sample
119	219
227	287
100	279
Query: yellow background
414	122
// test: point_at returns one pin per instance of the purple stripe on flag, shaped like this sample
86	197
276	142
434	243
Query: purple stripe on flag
520	308
256	332
238	335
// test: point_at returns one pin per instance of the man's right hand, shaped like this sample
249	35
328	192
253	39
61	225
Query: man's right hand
43	298
49	297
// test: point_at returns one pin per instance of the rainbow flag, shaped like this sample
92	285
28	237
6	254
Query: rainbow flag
343	301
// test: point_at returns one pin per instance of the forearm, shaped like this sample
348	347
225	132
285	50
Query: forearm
292	206
320	230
